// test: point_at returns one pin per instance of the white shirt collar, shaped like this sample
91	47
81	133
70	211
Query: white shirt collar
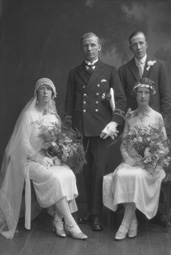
141	61
90	63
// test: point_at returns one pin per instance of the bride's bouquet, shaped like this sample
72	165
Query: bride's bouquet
150	146
64	143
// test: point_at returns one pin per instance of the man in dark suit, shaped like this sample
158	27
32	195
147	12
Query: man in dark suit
142	65
94	118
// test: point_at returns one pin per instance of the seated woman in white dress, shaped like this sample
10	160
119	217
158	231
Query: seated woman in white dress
132	184
24	160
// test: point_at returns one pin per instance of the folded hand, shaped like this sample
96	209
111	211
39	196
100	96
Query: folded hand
134	161
46	161
56	161
130	161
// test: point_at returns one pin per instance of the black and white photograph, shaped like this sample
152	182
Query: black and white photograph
85	127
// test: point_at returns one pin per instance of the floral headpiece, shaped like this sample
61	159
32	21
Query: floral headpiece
45	81
145	83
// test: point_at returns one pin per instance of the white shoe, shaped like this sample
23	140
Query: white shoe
76	235
121	233
58	228
132	232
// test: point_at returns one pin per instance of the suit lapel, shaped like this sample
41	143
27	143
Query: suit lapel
82	73
88	81
134	69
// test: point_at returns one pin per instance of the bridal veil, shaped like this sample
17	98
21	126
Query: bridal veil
14	172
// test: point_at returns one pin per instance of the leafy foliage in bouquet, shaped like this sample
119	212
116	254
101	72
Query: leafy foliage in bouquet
65	143
151	146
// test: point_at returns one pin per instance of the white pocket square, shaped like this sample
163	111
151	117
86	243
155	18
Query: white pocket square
103	80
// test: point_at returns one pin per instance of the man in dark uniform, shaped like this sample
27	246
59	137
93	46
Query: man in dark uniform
98	121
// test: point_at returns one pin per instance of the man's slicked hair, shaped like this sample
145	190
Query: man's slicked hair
134	34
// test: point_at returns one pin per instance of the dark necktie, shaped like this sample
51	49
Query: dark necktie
90	68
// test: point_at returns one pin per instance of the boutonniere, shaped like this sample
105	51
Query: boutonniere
150	63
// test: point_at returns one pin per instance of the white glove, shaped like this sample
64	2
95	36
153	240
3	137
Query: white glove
110	130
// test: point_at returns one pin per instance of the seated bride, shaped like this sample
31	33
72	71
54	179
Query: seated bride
24	160
137	180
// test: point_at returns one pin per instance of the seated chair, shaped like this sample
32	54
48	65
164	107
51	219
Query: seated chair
31	208
107	195
166	189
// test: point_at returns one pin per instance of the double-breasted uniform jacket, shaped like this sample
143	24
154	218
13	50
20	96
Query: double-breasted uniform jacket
156	71
90	114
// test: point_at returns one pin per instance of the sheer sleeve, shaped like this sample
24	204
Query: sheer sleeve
123	147
26	136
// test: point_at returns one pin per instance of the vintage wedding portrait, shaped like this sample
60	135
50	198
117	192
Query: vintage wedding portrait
85	134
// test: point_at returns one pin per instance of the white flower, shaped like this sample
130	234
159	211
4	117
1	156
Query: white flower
150	63
140	139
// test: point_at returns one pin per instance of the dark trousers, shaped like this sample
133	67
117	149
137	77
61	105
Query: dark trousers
97	156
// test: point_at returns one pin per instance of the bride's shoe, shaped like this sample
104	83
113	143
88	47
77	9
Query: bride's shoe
76	235
58	228
121	233
132	232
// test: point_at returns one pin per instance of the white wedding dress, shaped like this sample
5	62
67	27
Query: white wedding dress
133	183
20	165
53	183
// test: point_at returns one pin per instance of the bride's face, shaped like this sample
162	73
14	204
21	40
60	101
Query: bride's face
143	96
44	93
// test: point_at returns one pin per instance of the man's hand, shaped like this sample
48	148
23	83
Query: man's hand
110	130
